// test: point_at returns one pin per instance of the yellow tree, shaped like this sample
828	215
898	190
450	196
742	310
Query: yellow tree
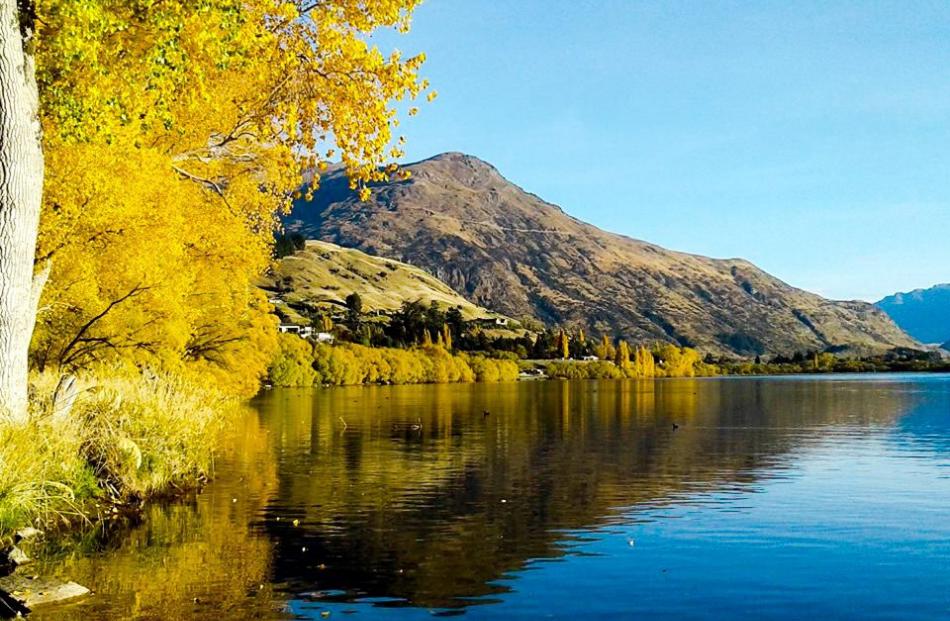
605	350
677	361
643	365
649	363
622	357
447	336
208	112
564	345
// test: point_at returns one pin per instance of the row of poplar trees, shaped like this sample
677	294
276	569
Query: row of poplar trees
639	362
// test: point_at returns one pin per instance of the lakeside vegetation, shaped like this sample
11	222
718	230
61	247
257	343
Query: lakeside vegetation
911	362
152	148
896	361
125	438
430	344
301	364
422	343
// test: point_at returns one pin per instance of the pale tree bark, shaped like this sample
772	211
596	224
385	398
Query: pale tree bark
21	189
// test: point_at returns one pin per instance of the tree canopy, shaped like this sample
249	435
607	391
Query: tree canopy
175	133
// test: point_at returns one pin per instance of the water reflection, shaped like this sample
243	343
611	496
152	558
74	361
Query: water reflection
924	427
200	557
414	494
431	496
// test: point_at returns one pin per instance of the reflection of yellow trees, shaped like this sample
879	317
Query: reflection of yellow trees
367	457
564	388
205	547
413	491
421	496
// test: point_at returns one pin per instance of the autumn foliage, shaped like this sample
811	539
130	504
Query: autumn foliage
300	363
175	133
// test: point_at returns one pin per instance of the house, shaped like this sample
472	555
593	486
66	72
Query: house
305	332
491	322
590	358
325	337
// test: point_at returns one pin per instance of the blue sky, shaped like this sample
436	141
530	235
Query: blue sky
810	138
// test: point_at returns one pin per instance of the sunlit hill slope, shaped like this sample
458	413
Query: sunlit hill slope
509	250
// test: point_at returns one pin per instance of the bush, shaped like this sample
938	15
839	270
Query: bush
293	364
127	437
493	370
348	364
599	369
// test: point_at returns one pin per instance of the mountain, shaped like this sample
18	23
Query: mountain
323	274
461	220
922	313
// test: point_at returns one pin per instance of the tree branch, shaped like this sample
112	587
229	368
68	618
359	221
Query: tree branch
63	355
208	183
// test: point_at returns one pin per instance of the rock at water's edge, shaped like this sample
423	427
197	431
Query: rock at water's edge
32	592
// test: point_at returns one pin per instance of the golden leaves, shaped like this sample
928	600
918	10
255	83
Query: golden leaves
175	133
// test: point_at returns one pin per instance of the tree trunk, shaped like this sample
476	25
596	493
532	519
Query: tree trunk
21	189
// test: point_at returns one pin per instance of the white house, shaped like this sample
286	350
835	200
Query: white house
305	332
491	322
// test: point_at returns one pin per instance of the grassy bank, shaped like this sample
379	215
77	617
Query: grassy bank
126	438
301	364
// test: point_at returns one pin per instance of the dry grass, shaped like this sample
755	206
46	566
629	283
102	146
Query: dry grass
324	274
128	437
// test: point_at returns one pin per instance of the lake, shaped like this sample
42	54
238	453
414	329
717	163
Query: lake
773	498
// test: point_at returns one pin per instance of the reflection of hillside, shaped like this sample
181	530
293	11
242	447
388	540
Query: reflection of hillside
924	427
199	558
439	512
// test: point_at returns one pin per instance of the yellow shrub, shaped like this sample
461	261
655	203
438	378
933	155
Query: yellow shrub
293	364
127	436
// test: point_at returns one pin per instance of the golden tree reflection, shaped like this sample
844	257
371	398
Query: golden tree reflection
432	493
201	556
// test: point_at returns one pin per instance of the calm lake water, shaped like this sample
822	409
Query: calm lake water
787	498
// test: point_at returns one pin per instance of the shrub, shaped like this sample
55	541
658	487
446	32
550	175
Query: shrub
349	363
599	369
493	370
127	437
293	364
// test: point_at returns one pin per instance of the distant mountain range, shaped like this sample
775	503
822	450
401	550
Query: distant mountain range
922	313
503	248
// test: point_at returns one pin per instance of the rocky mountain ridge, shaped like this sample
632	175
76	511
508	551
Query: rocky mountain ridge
506	249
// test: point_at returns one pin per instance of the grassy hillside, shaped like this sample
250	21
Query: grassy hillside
323	274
